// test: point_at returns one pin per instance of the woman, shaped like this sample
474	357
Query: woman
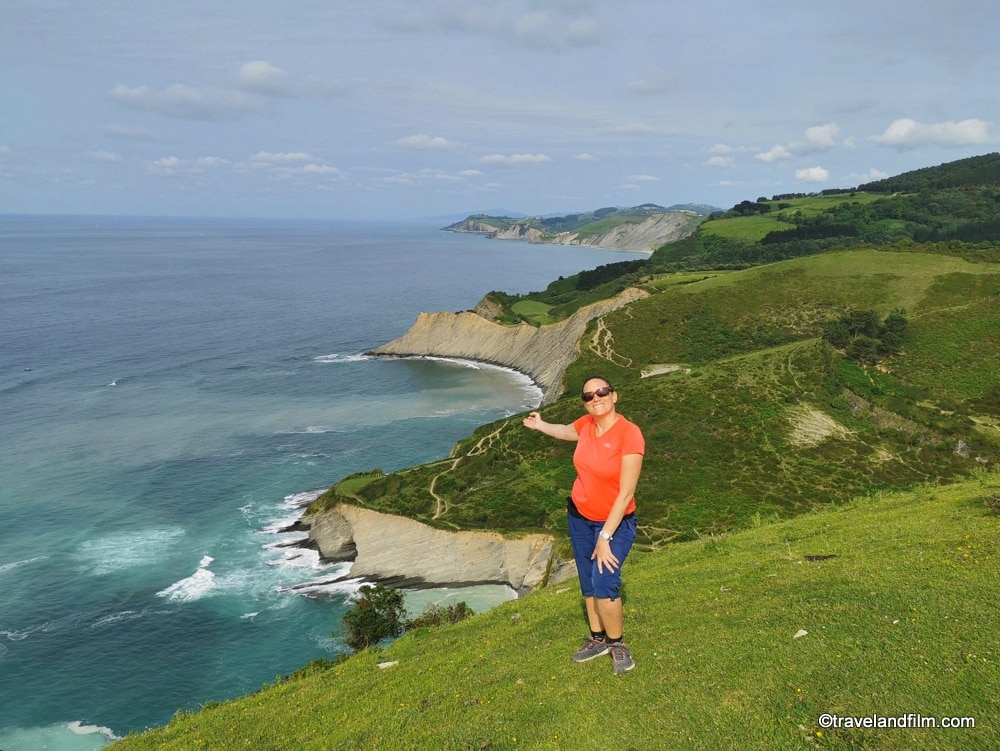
601	511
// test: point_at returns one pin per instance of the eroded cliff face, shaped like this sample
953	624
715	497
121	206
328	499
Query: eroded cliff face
657	230
651	233
405	552
543	354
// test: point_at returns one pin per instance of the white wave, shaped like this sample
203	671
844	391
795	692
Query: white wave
125	615
64	736
249	616
194	587
4	568
309	430
301	500
122	550
327	588
342	358
79	728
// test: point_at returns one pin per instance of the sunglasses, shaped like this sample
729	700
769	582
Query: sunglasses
588	396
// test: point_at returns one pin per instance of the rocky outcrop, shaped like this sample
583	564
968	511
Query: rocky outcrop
645	232
404	552
543	353
520	232
654	232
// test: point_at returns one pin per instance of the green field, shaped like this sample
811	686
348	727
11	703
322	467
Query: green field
885	606
781	216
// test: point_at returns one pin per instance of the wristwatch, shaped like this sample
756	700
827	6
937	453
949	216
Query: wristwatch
606	536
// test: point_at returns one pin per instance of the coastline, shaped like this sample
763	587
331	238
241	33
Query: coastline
542	354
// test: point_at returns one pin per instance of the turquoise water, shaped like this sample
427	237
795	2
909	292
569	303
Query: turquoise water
172	393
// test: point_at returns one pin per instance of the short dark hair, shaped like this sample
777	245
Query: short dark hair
598	378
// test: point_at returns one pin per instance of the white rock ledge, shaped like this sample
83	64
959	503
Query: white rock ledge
404	552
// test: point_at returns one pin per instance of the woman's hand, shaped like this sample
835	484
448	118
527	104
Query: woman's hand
533	421
604	557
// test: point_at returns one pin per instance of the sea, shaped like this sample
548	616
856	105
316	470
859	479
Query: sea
173	392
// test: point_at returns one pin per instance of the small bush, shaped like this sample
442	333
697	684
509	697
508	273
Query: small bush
435	615
378	614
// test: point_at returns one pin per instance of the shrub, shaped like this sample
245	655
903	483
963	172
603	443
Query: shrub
435	615
378	614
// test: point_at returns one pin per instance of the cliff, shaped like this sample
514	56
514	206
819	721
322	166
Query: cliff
653	232
642	232
404	552
543	353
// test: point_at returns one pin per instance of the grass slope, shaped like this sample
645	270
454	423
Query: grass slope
900	615
763	419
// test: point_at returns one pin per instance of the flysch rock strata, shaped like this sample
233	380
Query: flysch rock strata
543	353
404	552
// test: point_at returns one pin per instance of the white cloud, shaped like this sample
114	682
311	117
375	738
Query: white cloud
721	148
532	29
288	164
906	133
171	165
642	179
634	129
470	173
864	177
186	102
654	81
812	175
585	157
822	136
127	133
776	153
264	78
109	157
515	160
423	142
271	159
583	33
423	177
721	161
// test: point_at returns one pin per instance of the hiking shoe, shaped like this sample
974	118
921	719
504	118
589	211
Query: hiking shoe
591	648
622	657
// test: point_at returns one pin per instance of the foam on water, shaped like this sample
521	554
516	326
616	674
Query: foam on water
5	567
112	553
65	736
335	358
194	587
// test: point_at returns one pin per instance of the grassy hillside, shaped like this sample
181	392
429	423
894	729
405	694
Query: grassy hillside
885	606
783	570
748	414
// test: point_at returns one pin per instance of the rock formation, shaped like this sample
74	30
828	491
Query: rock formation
646	233
404	552
543	353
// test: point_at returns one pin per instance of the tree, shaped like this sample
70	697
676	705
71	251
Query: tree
892	332
378	614
863	349
863	323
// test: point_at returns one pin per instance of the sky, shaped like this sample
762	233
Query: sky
432	108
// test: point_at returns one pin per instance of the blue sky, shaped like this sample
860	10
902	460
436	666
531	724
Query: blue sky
417	108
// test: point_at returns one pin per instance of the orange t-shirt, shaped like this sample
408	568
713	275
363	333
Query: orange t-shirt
598	463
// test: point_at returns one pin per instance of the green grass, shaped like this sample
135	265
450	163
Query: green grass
725	436
533	310
781	216
751	228
901	619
